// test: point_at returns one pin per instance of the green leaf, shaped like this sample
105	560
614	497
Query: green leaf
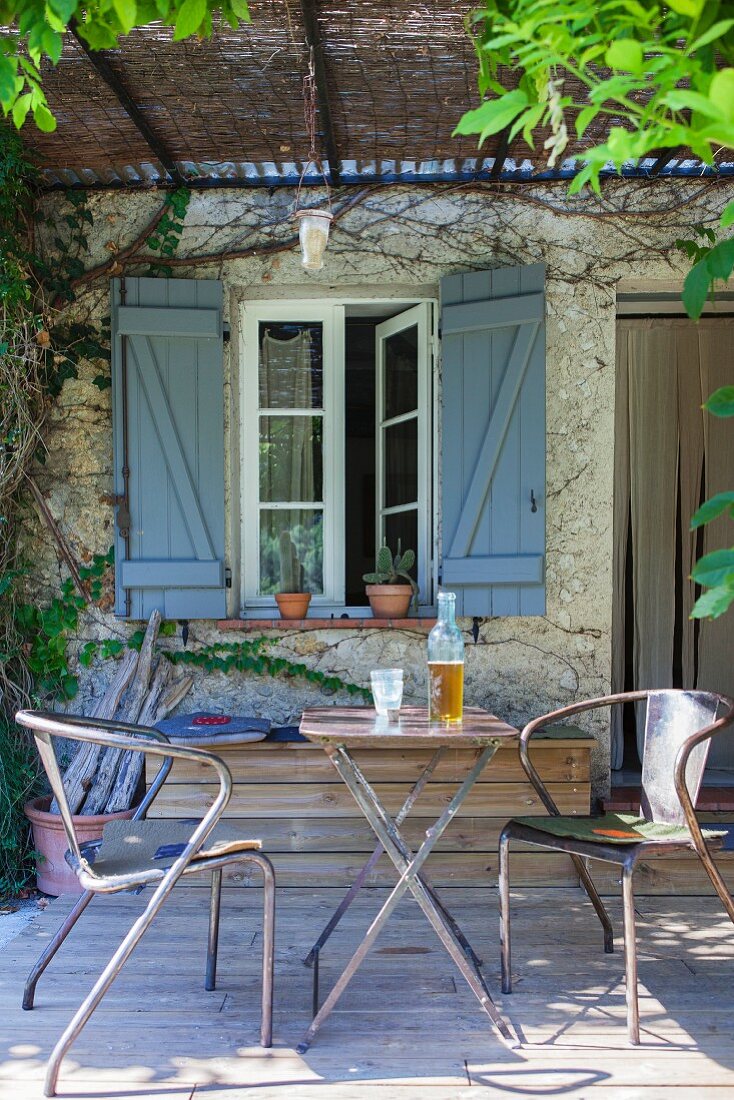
713	603
493	115
43	118
241	10
190	17
691	8
696	289
721	402
727	218
710	509
715	568
625	54
718	30
69	686
21	108
126	11
721	92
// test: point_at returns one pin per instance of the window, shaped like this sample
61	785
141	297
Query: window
336	446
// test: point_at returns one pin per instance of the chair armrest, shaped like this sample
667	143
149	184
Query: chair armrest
554	716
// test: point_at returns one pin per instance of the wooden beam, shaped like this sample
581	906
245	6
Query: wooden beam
313	40
662	160
156	144
500	156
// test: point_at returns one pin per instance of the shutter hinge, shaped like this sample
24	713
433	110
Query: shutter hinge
227	577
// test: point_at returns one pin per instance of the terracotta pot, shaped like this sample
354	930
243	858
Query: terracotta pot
53	873
389	601
293	605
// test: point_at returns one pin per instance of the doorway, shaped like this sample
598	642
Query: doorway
670	456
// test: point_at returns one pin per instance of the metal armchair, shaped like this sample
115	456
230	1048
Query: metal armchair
138	853
678	729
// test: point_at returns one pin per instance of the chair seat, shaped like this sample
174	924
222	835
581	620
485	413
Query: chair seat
613	829
142	847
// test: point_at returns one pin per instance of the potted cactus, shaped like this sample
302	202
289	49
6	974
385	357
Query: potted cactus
292	600
391	588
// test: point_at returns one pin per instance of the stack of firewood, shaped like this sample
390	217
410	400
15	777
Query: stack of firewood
104	780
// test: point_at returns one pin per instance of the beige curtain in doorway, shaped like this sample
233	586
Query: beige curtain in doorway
665	370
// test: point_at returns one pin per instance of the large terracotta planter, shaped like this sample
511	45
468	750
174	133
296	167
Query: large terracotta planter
53	873
389	601
293	605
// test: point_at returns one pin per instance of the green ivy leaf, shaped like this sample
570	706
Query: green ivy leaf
493	115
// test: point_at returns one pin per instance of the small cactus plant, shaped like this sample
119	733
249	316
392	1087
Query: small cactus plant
393	569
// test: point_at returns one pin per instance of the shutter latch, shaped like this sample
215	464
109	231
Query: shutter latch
123	519
533	502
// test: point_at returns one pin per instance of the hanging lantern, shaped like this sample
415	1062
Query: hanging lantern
313	222
313	234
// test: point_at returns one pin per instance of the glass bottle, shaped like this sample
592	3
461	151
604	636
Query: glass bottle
446	664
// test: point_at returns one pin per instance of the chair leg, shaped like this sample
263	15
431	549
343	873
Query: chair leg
210	981
588	884
266	1022
51	948
504	889
100	987
630	956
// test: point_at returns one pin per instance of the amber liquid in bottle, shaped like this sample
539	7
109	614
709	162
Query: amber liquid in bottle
446	690
446	664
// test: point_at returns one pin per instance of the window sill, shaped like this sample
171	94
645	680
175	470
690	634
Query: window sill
416	624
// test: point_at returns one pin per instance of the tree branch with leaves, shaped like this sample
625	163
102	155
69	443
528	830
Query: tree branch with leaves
632	80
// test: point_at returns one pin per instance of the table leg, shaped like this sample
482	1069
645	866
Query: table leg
358	883
408	865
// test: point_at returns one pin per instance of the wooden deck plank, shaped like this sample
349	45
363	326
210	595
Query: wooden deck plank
407	1028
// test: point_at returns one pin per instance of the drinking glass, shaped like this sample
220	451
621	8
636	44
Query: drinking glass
387	690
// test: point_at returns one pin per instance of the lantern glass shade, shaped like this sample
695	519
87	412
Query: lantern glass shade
313	234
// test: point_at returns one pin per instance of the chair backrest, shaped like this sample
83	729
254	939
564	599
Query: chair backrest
44	744
672	717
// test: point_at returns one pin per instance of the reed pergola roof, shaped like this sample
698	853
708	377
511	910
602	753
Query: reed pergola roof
393	78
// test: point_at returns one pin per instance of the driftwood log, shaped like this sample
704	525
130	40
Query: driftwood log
142	691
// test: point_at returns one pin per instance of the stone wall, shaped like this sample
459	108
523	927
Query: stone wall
400	241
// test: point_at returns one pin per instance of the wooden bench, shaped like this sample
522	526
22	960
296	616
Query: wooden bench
289	795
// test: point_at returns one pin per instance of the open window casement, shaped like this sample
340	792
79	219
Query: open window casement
493	441
168	445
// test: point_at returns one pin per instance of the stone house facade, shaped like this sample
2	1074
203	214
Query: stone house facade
393	246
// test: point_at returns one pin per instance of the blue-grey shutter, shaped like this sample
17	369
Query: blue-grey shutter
493	440
168	429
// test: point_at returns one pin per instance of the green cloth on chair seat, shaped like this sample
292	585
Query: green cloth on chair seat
612	828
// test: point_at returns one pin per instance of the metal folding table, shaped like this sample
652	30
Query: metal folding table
342	730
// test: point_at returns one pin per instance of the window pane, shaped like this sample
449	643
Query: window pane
401	372
401	463
291	458
291	369
291	551
402	527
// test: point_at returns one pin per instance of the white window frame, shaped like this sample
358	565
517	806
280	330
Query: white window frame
420	317
332	315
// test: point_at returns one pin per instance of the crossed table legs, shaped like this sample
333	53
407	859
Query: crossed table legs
408	865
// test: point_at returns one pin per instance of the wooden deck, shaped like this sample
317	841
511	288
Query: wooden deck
408	1028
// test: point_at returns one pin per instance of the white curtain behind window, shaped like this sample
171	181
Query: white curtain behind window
665	370
285	383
